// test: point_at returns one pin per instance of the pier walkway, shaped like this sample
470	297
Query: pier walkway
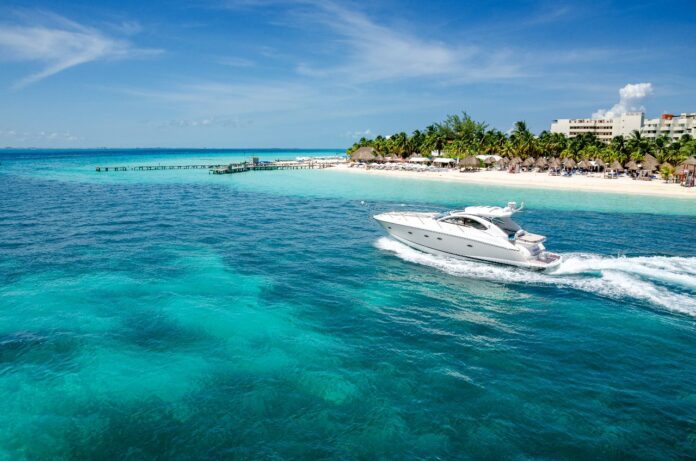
230	168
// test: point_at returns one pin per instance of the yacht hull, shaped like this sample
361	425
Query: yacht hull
429	239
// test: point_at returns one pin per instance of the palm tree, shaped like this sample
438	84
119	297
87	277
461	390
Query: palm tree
551	144
434	140
523	140
666	171
399	144
637	146
457	148
660	145
493	142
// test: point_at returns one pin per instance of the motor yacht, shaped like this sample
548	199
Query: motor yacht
484	233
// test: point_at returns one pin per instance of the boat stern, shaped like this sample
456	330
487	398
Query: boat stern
545	261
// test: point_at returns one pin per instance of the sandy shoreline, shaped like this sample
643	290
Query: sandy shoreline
587	183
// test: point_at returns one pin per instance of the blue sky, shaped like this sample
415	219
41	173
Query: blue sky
314	73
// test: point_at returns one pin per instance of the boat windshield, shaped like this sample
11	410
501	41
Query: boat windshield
507	225
465	222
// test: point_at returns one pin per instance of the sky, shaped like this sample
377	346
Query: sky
323	73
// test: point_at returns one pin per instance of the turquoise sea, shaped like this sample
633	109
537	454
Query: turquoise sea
181	315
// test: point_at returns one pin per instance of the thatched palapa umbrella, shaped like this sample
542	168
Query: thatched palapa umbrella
515	161
569	163
650	163
470	162
554	163
616	166
651	159
600	163
687	172
633	166
688	164
529	161
489	160
365	154
585	165
541	163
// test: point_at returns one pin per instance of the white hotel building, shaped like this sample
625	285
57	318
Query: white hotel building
606	128
673	126
603	128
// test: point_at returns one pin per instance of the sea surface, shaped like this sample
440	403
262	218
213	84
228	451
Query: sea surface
181	315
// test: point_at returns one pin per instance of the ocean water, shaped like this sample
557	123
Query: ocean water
182	315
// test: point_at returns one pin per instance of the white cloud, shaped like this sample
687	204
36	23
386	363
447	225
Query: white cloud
236	62
59	44
370	51
38	136
238	98
630	98
377	52
359	134
226	122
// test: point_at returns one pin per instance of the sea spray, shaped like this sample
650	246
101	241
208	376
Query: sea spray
666	282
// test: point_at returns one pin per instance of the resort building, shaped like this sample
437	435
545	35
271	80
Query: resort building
669	125
672	126
603	128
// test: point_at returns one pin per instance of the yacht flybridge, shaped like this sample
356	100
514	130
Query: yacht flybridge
485	233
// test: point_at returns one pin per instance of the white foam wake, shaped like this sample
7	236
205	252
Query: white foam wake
666	282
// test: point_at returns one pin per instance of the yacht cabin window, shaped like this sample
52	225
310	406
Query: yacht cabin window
508	226
465	222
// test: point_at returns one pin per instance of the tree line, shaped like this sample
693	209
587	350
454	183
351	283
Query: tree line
460	136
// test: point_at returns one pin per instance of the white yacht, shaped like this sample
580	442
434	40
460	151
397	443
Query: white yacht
485	233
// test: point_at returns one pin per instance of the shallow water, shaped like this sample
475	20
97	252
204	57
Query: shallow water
181	315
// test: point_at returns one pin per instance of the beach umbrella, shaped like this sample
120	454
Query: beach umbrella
554	163
569	163
529	161
632	165
616	166
650	163
649	166
600	163
489	160
541	162
688	164
470	162
502	163
585	165
649	158
364	154
689	161
515	161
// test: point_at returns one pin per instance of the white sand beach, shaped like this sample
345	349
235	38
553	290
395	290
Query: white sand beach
589	183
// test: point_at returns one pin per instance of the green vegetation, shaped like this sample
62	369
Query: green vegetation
461	136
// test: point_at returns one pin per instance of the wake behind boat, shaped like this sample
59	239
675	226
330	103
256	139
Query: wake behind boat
485	233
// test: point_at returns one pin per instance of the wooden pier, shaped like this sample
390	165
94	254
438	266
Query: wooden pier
226	169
